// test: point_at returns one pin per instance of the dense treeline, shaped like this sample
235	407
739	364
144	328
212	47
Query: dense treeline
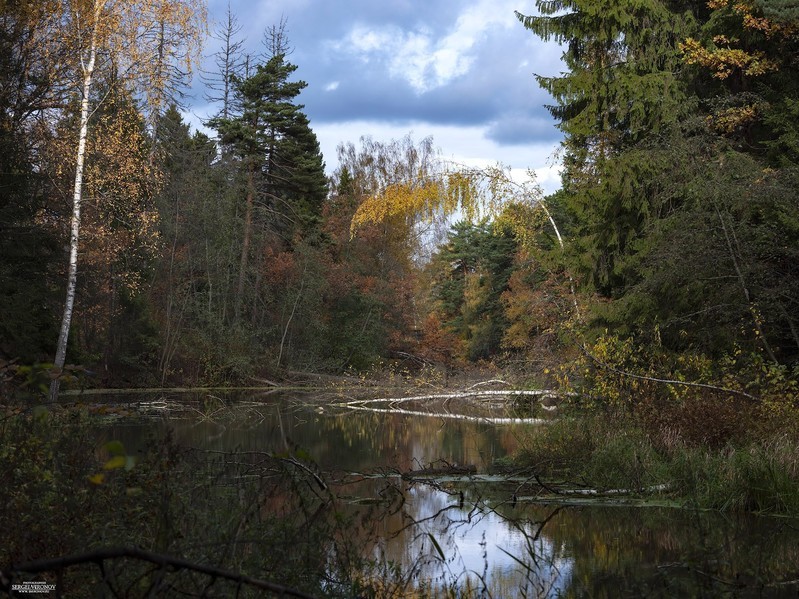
200	259
679	186
211	259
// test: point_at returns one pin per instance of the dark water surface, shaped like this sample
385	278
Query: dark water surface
480	536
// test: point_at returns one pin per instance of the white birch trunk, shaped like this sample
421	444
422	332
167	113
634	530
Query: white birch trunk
72	277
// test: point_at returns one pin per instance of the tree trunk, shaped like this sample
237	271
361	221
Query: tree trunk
757	320
158	92
245	244
72	277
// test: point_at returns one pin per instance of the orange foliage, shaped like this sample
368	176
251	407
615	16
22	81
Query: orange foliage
437	343
279	268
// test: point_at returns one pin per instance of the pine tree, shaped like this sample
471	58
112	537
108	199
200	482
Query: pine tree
471	272
279	154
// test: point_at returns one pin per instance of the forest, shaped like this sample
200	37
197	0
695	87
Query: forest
654	297
670	251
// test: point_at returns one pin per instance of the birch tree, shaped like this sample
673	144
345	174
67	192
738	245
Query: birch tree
125	35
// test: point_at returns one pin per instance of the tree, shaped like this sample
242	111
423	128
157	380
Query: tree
372	277
278	153
115	32
679	145
471	272
176	39
193	288
622	86
28	88
229	64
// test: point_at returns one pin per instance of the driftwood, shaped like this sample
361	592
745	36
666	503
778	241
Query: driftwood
450	416
392	404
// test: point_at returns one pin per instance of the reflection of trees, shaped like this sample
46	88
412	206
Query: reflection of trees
598	552
665	552
358	441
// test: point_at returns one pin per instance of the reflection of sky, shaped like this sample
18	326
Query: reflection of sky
476	543
472	541
585	552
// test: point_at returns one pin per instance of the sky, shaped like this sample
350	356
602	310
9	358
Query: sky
461	71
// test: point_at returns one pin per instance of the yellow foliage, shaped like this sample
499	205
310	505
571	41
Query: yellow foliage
724	58
439	193
724	61
400	200
746	11
731	119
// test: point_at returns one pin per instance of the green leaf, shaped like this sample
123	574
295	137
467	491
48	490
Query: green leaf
115	448
437	546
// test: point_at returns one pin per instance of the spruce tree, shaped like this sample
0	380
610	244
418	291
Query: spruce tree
622	88
680	153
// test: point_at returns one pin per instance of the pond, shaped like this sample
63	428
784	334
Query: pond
456	530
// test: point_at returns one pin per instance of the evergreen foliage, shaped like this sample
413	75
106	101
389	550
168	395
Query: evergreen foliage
680	144
272	136
470	273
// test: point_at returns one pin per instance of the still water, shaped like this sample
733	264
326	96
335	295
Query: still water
481	536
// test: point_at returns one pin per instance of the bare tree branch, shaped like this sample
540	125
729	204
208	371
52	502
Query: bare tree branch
100	555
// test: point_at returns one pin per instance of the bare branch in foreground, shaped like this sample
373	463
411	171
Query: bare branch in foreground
100	555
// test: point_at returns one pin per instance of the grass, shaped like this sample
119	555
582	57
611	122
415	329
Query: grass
758	472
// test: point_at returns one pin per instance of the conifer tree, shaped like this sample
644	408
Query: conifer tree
622	87
279	154
680	145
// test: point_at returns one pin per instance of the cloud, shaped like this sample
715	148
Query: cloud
412	56
461	70
521	129
421	57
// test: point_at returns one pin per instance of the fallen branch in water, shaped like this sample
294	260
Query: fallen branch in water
463	395
491	382
447	415
447	469
598	493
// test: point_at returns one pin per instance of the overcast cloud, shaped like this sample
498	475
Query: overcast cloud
458	70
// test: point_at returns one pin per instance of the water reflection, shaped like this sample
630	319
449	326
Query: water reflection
334	439
476	536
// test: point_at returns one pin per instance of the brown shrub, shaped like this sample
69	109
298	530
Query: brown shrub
701	419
